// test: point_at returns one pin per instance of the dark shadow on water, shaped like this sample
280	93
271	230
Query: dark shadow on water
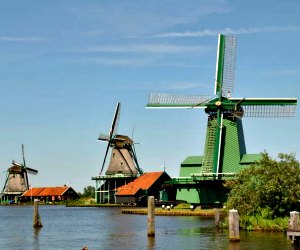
295	247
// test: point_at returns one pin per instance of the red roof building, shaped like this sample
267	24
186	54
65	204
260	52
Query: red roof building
50	194
148	184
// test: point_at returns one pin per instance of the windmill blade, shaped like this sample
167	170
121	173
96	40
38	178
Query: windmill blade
225	66
5	184
26	180
112	132
266	107
32	171
160	100
135	159
107	148
213	145
132	134
103	137
14	163
115	121
23	154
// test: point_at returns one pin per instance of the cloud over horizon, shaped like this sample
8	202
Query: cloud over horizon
229	31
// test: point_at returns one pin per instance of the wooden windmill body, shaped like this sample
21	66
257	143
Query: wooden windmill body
123	166
16	182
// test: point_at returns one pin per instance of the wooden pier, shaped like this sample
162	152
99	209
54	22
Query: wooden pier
172	212
293	232
293	235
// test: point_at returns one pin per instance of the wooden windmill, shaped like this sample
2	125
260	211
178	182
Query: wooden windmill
16	182
123	159
224	143
123	166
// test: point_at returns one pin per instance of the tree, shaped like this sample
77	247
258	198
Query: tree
89	192
270	187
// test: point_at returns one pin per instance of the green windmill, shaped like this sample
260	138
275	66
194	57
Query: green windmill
225	149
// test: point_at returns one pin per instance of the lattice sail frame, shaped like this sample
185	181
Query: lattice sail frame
184	101
269	111
266	107
225	66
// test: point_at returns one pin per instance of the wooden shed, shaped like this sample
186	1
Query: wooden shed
145	185
50	194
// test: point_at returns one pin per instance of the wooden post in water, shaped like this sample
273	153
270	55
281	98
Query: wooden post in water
294	221
36	217
234	230
293	232
217	218
151	216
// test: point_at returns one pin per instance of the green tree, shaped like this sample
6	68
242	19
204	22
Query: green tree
89	192
269	188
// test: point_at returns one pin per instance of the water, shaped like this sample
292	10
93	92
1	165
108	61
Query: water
106	228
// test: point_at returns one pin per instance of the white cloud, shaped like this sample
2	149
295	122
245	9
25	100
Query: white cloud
109	61
156	48
228	31
134	18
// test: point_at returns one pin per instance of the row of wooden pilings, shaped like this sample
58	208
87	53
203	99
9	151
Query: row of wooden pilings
293	232
234	234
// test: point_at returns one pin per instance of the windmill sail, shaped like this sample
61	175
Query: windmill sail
266	107
111	134
31	171
225	66
123	159
161	100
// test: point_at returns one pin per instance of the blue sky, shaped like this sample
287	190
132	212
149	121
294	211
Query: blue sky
65	64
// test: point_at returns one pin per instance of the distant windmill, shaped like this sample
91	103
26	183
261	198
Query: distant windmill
224	143
123	166
123	157
16	181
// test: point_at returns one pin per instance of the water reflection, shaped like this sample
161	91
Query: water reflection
151	242
234	245
295	247
103	228
36	233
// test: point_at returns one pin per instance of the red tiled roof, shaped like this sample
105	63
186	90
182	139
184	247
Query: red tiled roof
45	191
143	182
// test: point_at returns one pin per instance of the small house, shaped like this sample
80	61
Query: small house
148	184
50	194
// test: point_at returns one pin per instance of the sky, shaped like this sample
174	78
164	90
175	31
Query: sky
64	65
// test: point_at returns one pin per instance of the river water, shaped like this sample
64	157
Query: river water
106	228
